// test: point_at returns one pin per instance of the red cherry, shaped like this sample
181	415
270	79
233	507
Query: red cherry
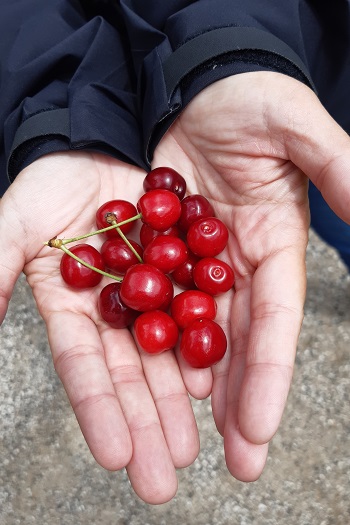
145	288
112	308
155	332
147	233
118	256
122	210
165	252
207	237
167	179
160	209
190	305
203	343
76	274
213	276
194	207
183	274
169	296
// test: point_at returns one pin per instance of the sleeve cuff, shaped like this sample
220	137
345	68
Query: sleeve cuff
171	80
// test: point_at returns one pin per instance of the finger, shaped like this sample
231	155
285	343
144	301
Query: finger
150	469
198	381
12	257
277	299
245	460
173	406
79	360
230	318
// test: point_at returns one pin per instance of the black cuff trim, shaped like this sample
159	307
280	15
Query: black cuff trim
50	123
221	41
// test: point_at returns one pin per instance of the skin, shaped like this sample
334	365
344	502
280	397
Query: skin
249	144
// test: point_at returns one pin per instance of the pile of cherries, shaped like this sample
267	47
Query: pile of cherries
179	241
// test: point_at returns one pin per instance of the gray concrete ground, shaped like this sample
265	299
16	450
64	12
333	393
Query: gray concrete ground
48	477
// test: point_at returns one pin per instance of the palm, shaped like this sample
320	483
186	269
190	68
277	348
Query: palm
228	153
126	405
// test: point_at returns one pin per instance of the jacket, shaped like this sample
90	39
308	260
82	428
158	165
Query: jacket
111	76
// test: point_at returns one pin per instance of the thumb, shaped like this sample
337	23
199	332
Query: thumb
12	257
320	148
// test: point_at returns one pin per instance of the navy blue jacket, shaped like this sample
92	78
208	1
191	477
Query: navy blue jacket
111	76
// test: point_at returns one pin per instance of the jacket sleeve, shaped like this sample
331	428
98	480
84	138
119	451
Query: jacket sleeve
66	83
181	46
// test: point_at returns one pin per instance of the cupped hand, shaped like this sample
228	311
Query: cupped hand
133	409
249	143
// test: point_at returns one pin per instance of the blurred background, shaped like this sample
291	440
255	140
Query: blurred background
48	477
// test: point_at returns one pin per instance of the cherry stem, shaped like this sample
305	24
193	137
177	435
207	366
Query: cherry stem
96	232
128	243
81	261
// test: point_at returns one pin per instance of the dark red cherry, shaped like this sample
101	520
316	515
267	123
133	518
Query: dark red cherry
147	234
75	273
203	343
112	308
160	209
118	256
207	237
122	210
190	305
155	332
165	252
213	276
183	274
166	179
145	288
194	207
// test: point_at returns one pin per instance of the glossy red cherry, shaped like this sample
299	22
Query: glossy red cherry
160	209
169	296
203	343
190	305
167	179
145	288
112	308
165	252
76	274
194	207
122	210
183	274
147	234
207	237
155	332
213	276
118	256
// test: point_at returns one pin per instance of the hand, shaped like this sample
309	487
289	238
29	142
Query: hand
246	143
133	409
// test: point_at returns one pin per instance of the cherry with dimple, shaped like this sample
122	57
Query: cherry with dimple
207	237
213	276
